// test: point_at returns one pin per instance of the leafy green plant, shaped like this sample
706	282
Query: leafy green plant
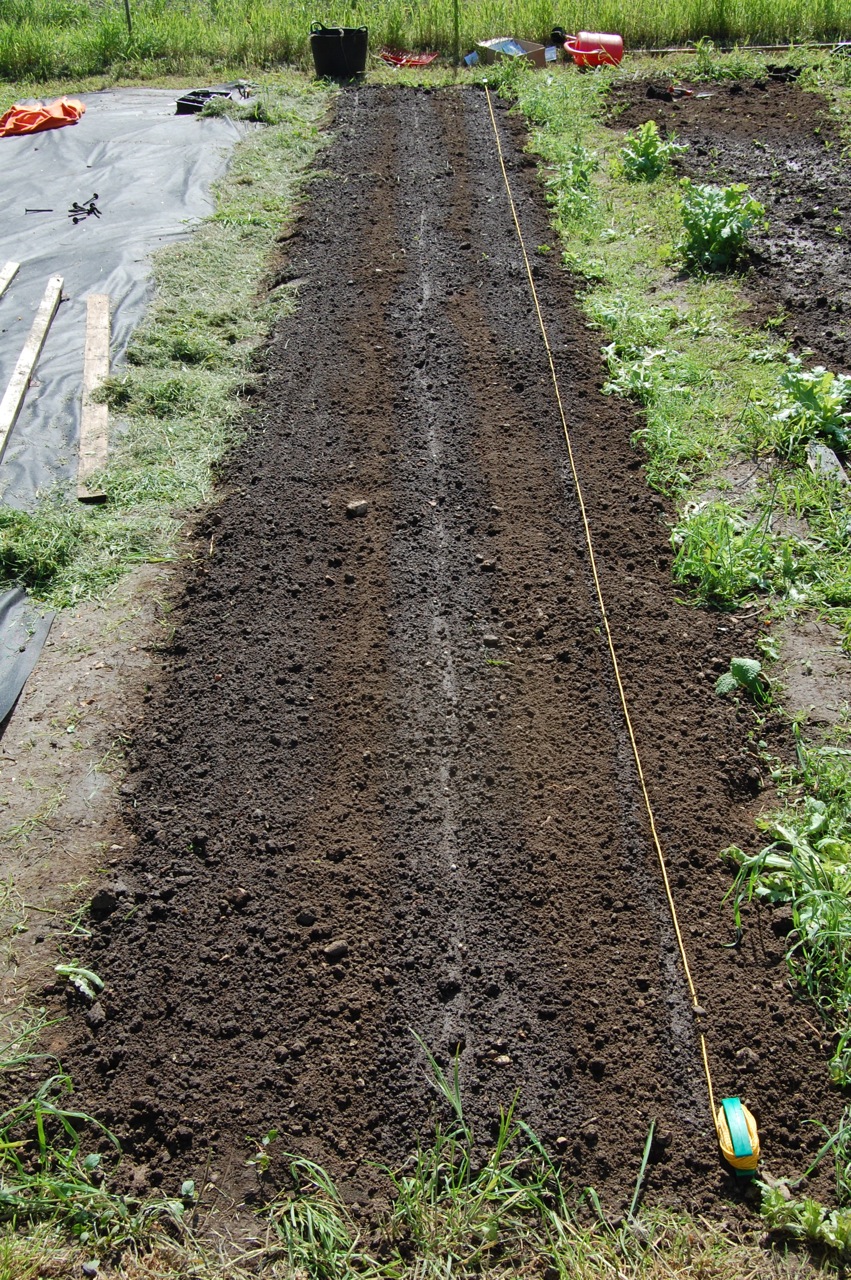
636	375
717	222
262	1157
646	154
747	674
807	1220
812	403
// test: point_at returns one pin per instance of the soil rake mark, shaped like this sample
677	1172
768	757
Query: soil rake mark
741	1153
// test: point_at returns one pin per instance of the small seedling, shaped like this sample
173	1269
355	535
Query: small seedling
85	981
262	1157
747	674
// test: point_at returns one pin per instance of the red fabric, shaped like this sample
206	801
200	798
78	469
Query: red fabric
53	115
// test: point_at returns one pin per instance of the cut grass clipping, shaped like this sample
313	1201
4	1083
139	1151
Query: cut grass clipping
180	401
456	1207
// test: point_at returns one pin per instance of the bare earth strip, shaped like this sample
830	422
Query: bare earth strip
384	785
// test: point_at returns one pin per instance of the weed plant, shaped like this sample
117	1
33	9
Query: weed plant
807	1220
727	559
745	674
646	154
717	223
455	1208
807	865
812	404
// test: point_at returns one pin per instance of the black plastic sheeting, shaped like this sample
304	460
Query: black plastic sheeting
23	631
152	171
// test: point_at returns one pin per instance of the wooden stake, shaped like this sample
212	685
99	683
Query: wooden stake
7	275
94	418
13	397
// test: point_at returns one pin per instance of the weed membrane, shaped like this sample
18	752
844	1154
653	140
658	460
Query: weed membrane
385	786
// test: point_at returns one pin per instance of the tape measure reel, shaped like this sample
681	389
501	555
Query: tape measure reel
738	1136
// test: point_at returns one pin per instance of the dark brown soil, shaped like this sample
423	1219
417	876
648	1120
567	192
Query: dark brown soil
784	143
386	787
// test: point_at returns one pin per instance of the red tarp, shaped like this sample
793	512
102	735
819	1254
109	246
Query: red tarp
33	119
400	59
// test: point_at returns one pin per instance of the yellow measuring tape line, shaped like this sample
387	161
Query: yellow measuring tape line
599	592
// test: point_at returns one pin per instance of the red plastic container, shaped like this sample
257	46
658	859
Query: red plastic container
595	49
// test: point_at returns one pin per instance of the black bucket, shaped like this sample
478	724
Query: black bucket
339	53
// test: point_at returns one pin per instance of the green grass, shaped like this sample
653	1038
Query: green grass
47	39
455	1208
179	402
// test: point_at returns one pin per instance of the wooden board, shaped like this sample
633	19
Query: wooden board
94	419
13	396
7	275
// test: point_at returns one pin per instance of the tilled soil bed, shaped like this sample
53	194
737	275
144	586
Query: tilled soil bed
386	787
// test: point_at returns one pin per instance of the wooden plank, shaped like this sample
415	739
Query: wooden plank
94	418
7	275
13	396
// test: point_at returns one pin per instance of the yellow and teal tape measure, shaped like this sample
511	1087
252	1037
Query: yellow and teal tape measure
738	1136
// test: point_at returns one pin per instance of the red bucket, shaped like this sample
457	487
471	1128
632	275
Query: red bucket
595	49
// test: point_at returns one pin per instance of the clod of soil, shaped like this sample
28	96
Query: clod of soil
358	815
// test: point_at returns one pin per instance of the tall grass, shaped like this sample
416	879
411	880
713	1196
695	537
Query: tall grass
48	39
